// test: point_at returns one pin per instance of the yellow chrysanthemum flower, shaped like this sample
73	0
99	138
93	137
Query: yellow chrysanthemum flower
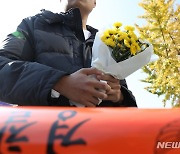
119	45
110	32
127	43
132	35
110	42
117	25
122	36
133	49
137	46
104	37
133	40
106	33
129	28
116	31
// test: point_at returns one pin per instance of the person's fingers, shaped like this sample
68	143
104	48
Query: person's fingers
107	77
99	94
89	104
96	93
110	98
113	98
101	85
111	92
94	100
91	71
114	92
114	85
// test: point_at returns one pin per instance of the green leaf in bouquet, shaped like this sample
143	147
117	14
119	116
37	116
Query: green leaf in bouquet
124	56
119	55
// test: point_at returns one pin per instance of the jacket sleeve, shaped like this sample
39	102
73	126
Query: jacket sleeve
22	80
129	99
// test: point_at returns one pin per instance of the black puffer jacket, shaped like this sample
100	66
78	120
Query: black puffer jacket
44	48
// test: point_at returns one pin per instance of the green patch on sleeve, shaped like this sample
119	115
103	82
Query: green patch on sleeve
18	34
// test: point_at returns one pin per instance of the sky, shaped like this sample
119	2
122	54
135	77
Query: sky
106	12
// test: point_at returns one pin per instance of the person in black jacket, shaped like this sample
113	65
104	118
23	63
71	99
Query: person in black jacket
47	62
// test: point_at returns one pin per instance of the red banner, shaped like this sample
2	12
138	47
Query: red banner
41	130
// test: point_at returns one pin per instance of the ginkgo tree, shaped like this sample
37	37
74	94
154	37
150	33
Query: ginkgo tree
162	29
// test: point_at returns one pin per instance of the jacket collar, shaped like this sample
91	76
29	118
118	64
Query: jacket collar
71	18
93	31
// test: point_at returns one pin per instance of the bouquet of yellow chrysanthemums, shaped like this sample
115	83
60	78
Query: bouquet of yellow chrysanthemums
120	52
